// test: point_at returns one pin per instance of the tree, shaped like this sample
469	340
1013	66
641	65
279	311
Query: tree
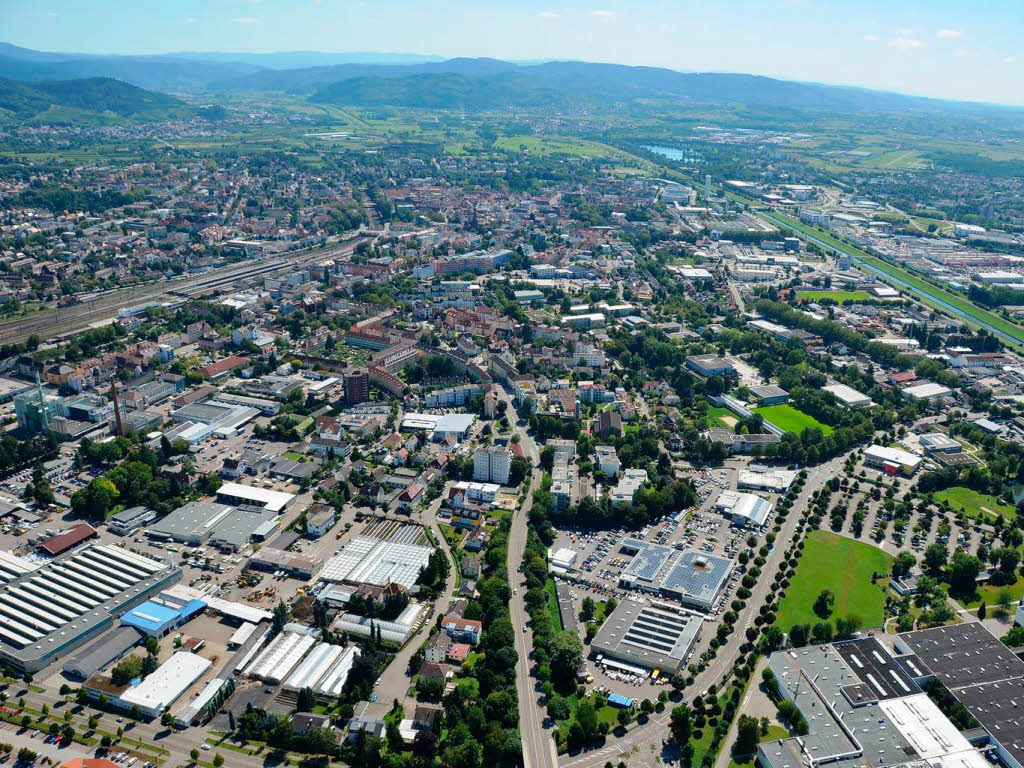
963	573
982	611
935	558
681	724
588	608
558	708
167	720
903	563
748	734
823	604
566	658
218	760
624	716
26	756
586	716
105	741
1004	602
194	755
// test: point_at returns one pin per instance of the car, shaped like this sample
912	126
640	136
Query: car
205	746
524	630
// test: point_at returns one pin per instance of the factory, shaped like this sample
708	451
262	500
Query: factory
848	397
863	708
273	501
640	637
47	612
693	578
221	525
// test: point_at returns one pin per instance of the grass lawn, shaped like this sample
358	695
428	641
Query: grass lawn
975	505
990	594
839	296
775	732
556	615
790	419
843	566
293	455
721	417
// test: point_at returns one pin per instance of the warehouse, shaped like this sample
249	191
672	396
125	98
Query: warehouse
48	612
161	689
848	396
772	480
929	391
224	418
641	637
12	566
891	460
299	566
938	441
221	525
366	560
157	619
235	493
279	658
308	673
744	509
103	652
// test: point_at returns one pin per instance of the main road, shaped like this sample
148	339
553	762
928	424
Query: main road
538	746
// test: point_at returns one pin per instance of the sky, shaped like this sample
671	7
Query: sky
956	49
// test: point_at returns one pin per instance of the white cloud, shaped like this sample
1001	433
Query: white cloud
905	43
604	14
906	32
245	20
949	34
871	38
549	15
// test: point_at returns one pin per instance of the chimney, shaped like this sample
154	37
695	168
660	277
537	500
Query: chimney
117	408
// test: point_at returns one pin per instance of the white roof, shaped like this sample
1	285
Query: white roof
313	667
171	679
927	390
334	680
745	505
280	657
242	634
894	455
564	557
930	732
366	560
272	500
774	479
847	395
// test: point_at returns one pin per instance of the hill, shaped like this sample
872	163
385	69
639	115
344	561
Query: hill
97	99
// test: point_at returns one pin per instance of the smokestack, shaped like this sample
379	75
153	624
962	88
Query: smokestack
117	408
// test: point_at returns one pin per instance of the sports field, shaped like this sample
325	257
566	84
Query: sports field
837	296
721	417
791	420
844	566
975	505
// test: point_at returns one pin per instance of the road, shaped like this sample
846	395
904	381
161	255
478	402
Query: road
641	746
539	749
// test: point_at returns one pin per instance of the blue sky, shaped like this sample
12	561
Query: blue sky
943	48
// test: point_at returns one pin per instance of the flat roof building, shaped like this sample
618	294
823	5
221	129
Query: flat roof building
927	391
773	480
848	397
693	578
647	636
892	460
366	560
159	690
939	441
235	493
744	509
710	365
48	612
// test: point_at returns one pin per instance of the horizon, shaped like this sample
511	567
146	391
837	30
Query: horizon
942	50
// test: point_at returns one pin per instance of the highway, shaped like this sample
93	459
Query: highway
538	746
78	317
641	746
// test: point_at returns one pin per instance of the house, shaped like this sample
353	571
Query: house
408	498
440	672
466	630
319	520
459	652
608	423
426	715
371	726
232	469
302	722
471	566
437	649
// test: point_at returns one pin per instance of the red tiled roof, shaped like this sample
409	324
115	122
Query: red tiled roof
62	542
223	366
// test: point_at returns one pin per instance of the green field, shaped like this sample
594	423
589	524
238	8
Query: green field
989	593
967	307
790	419
844	566
975	505
721	417
556	615
837	296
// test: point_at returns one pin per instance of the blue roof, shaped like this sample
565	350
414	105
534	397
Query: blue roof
153	617
618	700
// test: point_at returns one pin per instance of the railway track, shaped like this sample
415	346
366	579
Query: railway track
66	320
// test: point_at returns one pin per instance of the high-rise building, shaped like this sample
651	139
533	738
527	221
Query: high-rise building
357	388
491	464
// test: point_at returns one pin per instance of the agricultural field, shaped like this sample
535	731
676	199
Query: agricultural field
791	420
837	296
977	506
845	567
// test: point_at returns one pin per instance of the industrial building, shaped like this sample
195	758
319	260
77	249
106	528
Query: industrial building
127	521
848	396
710	365
928	390
220	418
640	637
48	612
863	708
397	631
238	494
744	509
221	525
366	560
158	691
157	619
891	460
773	480
693	578
299	566
985	676
939	442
